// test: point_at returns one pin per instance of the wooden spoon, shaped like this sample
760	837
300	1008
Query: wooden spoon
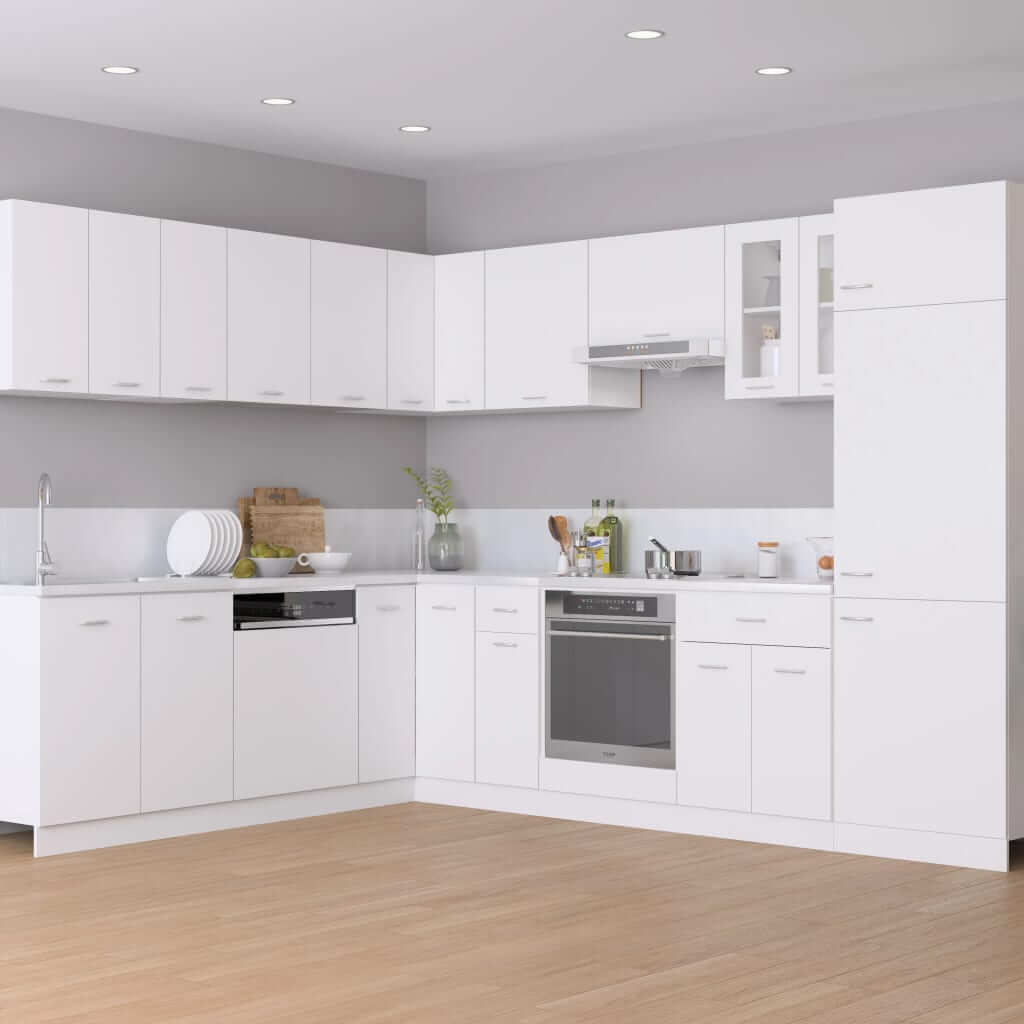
563	532
554	531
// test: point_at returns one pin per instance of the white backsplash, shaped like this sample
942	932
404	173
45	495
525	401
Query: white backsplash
90	543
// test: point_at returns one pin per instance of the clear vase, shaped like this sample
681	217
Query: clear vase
445	548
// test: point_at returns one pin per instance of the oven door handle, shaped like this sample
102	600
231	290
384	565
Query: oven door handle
661	637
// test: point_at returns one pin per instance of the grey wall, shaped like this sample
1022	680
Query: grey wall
688	447
116	454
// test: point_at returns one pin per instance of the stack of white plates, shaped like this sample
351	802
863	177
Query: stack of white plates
204	543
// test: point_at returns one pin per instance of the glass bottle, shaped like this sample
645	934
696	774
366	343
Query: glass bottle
611	529
419	541
594	541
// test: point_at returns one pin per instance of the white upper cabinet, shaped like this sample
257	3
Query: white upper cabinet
662	286
817	315
920	452
536	323
922	248
124	305
349	325
459	331
762	352
268	318
44	297
193	311
410	331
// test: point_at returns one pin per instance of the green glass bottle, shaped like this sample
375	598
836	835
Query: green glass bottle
611	528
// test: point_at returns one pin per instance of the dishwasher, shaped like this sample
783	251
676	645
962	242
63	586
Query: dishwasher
296	692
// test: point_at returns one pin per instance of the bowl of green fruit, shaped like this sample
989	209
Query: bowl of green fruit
272	559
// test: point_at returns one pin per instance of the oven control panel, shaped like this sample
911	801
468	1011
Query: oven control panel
620	605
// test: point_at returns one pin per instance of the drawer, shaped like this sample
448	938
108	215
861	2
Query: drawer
440	604
786	620
507	609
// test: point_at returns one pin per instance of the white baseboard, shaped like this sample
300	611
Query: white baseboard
141	828
927	847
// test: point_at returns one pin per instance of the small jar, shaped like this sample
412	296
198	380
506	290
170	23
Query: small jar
584	560
768	559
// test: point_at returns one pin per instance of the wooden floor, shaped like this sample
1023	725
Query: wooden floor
421	913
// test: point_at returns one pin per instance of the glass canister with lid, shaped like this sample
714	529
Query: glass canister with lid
768	559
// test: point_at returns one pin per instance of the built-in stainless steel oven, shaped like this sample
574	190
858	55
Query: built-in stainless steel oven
609	671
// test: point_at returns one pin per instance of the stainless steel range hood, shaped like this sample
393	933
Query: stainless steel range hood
669	358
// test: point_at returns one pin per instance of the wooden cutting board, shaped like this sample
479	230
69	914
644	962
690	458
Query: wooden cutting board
296	522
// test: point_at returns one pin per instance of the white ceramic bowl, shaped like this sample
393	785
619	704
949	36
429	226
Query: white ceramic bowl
274	566
326	563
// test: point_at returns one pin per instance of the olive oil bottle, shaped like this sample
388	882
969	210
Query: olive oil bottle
593	539
611	530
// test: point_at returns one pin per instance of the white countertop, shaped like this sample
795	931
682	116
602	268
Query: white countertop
368	578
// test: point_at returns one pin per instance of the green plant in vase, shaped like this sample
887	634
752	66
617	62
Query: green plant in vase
445	548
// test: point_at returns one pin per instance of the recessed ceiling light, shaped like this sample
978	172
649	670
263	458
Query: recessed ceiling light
645	33
120	69
772	71
278	101
415	129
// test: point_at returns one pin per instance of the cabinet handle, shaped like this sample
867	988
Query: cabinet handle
96	622
388	607
198	388
456	401
272	394
532	398
659	334
855	287
127	384
860	573
760	387
191	618
504	643
412	401
714	668
740	619
856	618
827	384
353	398
506	611
55	380
791	671
443	607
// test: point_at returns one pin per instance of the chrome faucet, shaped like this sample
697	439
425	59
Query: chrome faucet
44	566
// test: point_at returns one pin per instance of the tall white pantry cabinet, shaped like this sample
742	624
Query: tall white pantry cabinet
929	488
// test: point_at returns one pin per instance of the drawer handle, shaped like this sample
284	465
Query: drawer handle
191	618
127	384
791	671
96	622
506	611
856	618
270	393
443	607
456	401
860	573
659	334
758	621
532	398
353	398
855	287
828	384
504	643
412	401
55	380
714	668
388	607
199	389
760	387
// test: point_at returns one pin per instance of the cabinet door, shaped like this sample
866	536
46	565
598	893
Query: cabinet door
507	709
920	716
349	325
791	732
920	248
124	305
459	331
445	682
536	323
387	683
48	250
187	700
762	317
296	709
89	709
268	318
920	452
410	331
194	311
817	315
713	726
661	286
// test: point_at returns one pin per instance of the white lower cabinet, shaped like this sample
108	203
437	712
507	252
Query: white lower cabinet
187	700
507	709
387	682
791	732
89	709
920	715
713	726
445	682
296	709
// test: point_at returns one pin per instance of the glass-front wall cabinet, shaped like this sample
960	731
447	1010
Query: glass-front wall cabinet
762	318
817	317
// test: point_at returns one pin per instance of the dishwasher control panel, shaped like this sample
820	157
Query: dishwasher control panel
301	608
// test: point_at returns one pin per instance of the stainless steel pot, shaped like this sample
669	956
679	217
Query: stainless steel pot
676	563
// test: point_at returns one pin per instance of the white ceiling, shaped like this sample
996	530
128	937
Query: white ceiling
504	84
